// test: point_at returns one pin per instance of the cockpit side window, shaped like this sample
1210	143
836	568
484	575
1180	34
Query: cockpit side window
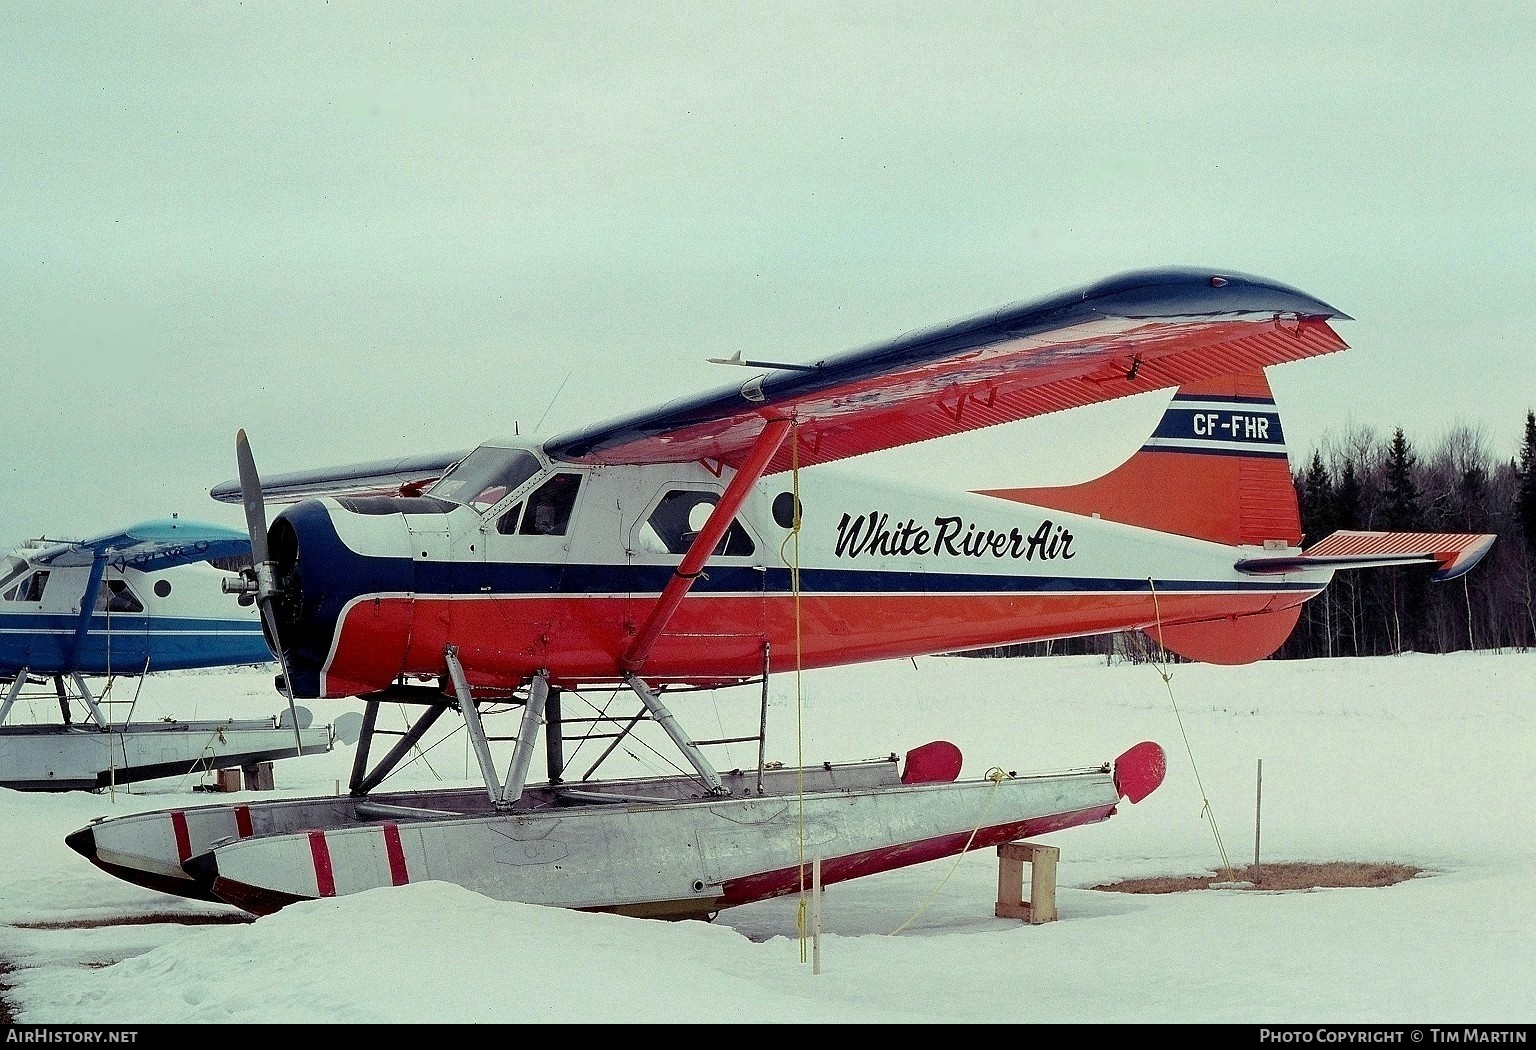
29	589
485	475
116	597
507	523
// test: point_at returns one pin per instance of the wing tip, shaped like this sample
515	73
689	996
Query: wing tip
1460	561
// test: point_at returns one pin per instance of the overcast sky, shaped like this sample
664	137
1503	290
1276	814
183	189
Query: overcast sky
368	229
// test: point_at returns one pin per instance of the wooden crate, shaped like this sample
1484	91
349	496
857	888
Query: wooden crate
258	776
1041	905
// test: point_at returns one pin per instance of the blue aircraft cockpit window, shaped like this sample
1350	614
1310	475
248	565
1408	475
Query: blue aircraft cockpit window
10	570
30	589
485	475
115	597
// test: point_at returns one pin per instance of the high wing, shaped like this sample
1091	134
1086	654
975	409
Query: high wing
1139	331
381	477
1129	334
150	546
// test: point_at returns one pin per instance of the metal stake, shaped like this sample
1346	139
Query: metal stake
1257	803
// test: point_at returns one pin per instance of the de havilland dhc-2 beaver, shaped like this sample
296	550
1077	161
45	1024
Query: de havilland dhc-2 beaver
716	541
121	605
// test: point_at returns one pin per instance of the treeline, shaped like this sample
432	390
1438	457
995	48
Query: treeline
1361	480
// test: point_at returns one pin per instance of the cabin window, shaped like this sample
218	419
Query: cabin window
677	519
485	475
29	589
549	508
115	597
784	506
163	588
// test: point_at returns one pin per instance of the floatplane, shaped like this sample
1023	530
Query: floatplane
146	598
717	541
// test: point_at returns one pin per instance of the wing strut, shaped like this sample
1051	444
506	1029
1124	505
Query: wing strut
703	545
88	605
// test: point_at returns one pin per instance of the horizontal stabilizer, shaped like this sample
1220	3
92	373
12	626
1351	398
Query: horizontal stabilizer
1453	553
151	546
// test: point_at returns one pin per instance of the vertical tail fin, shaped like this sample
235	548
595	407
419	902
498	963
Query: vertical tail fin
1216	468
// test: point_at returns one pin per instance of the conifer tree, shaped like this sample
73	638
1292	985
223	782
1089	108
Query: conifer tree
1402	511
1317	501
1346	607
1527	498
1525	522
1346	500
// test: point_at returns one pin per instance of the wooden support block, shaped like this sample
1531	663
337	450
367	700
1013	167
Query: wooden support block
226	780
1041	905
258	776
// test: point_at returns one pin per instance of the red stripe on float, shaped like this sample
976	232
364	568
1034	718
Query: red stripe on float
397	873
243	821
183	840
325	878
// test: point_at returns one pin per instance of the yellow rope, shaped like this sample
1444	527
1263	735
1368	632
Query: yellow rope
1167	676
793	562
997	776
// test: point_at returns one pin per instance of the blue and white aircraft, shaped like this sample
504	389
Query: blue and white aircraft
146	598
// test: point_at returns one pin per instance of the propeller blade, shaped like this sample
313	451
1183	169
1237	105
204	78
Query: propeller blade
250	495
261	564
270	617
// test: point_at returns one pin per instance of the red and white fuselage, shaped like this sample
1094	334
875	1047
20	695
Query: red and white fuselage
868	571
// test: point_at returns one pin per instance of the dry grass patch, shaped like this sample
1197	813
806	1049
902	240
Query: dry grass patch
1297	875
7	1013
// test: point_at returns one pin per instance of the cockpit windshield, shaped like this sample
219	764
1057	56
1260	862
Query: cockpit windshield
485	475
11	568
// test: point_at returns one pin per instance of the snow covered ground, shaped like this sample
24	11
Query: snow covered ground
1418	760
